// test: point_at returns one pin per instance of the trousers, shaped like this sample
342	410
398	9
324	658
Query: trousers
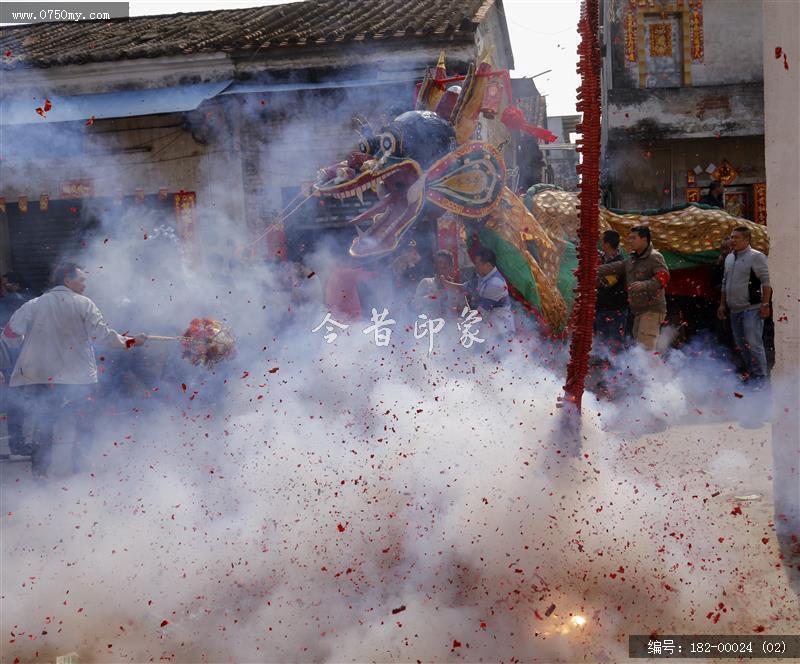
15	418
748	333
646	328
45	405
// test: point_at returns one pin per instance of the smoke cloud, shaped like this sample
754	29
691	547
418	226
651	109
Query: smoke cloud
314	501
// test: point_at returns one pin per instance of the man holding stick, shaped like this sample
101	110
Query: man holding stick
56	369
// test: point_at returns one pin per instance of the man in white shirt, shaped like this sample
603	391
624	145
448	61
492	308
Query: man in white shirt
440	296
490	295
56	368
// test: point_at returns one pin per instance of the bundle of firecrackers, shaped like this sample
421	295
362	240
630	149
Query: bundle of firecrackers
207	342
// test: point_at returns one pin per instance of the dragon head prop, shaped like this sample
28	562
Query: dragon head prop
425	161
412	163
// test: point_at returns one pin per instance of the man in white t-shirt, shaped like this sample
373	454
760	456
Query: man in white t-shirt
56	368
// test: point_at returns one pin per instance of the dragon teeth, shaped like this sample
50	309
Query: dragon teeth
360	194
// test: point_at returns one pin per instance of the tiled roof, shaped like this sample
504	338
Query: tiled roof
299	24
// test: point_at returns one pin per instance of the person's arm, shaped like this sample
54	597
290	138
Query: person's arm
766	301
616	267
659	280
761	268
100	332
722	310
17	326
421	298
495	291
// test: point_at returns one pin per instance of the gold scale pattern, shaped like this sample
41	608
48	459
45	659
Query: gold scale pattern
554	219
512	221
686	231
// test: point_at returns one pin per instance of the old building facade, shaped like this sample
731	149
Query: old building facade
192	120
683	103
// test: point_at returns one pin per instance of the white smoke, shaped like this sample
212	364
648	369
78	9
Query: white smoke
345	502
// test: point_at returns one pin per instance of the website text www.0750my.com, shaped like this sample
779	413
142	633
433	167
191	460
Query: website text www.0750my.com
44	12
58	15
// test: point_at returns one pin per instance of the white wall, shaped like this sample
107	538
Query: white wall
782	143
733	43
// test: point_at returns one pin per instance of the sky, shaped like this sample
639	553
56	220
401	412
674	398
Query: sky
543	37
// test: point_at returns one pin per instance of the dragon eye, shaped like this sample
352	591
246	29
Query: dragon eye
364	146
388	143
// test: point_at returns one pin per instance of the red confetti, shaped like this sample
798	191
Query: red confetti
738	395
399	609
47	105
785	62
183	386
8	54
736	510
778	52
273	370
456	643
90	121
40	111
129	343
759	628
308	276
164	623
341	528
764	540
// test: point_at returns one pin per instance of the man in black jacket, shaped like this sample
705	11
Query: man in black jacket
612	301
715	194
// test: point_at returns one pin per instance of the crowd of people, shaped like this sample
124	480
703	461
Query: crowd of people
353	291
635	287
47	343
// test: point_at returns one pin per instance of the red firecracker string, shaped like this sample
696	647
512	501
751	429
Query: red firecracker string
581	323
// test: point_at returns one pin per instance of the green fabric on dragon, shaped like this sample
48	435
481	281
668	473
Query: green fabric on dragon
676	261
513	265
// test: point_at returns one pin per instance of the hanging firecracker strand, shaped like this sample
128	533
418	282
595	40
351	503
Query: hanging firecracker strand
582	320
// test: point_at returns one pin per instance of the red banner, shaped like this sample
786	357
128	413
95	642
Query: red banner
631	39
760	203
696	26
185	218
76	189
447	238
275	238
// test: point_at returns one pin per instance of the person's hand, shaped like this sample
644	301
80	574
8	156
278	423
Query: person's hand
637	286
721	313
139	339
764	310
